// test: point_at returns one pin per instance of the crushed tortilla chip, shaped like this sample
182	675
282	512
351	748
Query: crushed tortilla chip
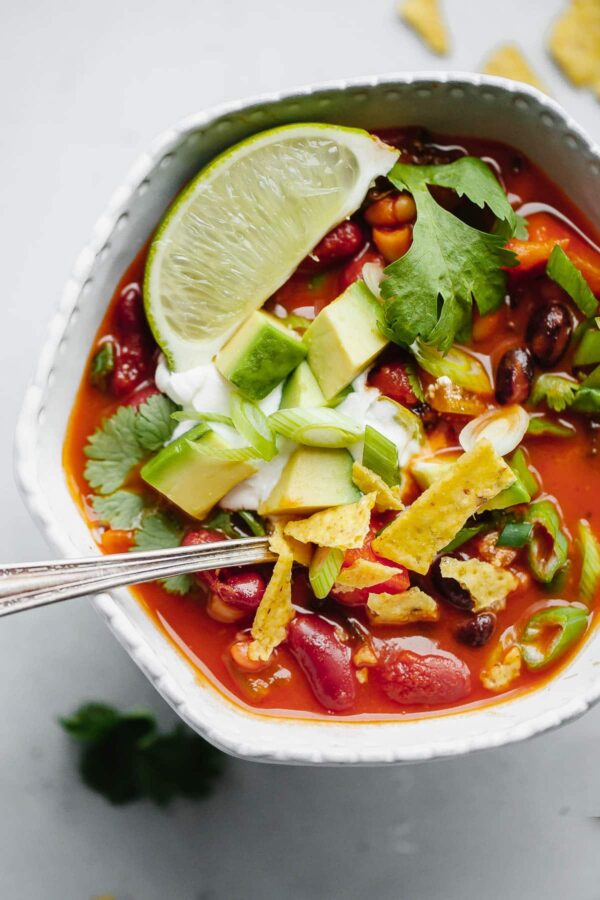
364	573
362	676
275	611
508	62
344	527
488	585
425	17
575	43
367	481
501	675
414	605
280	542
418	534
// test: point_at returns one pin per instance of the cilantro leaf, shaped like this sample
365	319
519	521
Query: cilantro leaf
154	425
124	758
567	275
122	509
156	532
429	291
556	390
113	450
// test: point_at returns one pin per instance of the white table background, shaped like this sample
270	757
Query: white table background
84	88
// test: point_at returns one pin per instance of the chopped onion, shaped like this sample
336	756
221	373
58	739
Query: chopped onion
504	428
319	427
372	275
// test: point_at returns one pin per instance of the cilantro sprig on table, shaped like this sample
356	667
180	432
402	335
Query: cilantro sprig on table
125	758
428	293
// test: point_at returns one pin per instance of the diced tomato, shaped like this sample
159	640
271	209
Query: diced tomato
393	381
397	584
343	241
353	270
413	679
141	394
325	660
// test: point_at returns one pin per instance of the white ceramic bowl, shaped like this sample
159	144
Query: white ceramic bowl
459	104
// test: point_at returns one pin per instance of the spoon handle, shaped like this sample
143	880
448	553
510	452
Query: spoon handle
28	585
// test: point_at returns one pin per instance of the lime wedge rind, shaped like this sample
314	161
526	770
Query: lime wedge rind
242	226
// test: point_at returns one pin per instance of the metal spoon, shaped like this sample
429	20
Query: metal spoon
28	585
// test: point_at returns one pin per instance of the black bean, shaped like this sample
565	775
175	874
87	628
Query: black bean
549	332
514	376
449	588
477	631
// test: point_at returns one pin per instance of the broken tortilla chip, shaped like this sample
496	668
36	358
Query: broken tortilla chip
575	43
418	534
364	573
414	605
425	17
280	542
275	611
367	481
344	527
488	585
508	62
500	675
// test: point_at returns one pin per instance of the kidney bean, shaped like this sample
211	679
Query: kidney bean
413	679
346	239
244	590
514	376
477	631
548	333
129	311
325	661
140	395
449	588
393	381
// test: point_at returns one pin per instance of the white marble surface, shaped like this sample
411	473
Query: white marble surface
84	88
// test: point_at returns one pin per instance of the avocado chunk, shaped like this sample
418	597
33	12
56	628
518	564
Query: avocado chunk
313	478
189	479
259	355
301	389
344	339
425	470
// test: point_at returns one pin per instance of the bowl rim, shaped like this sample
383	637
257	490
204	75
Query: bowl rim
26	443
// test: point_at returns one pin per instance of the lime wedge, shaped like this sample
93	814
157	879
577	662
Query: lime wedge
239	230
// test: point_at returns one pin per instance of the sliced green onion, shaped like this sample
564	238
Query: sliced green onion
381	456
324	568
589	580
570	620
222	521
253	522
540	425
316	427
518	463
340	397
464	535
561	270
409	420
181	416
460	367
514	534
557	391
103	364
252	424
231	454
548	544
587	400
414	380
298	323
588	351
